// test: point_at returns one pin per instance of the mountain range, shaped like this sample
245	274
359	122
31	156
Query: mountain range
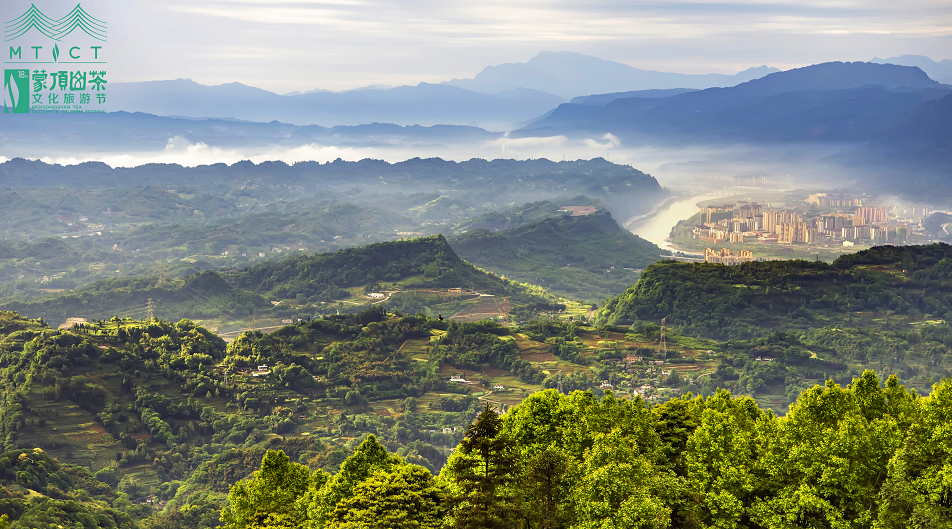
423	104
920	149
495	99
830	102
939	70
23	135
569	75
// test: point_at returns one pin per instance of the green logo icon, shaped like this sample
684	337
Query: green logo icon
16	91
33	18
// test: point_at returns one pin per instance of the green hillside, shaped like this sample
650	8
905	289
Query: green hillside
782	326
427	262
39	491
203	295
306	285
516	216
68	226
170	410
588	257
881	286
27	269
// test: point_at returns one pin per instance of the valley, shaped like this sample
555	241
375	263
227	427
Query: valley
337	278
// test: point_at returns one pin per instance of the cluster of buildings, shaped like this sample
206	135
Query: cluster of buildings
752	222
750	181
726	256
825	200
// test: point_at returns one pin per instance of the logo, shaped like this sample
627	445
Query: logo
65	60
78	18
16	91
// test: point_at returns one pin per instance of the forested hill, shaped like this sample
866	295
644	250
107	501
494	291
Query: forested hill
597	174
587	257
850	457
881	286
427	262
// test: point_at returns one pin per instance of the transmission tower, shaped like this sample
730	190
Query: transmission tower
151	308
663	346
160	271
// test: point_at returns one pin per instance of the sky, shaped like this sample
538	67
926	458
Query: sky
341	44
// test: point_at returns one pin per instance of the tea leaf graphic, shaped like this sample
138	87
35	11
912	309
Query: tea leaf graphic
14	92
55	52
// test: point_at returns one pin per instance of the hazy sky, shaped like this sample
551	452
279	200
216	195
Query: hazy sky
339	44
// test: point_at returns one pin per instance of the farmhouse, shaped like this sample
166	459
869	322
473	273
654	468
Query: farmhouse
459	380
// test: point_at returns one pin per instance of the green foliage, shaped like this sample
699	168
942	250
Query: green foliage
427	262
322	500
484	470
587	257
408	497
36	491
269	498
864	455
754	299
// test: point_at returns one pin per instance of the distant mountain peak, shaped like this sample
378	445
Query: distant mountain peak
570	74
940	71
838	75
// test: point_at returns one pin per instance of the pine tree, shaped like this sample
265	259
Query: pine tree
484	470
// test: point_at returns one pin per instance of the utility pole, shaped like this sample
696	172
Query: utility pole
151	309
663	346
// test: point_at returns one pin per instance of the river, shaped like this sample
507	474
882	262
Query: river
657	227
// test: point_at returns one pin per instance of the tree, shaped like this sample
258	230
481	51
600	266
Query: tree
485	466
323	499
547	484
720	457
676	421
826	462
918	492
407	498
270	498
619	487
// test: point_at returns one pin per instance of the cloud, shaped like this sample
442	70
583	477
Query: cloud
506	144
180	150
610	140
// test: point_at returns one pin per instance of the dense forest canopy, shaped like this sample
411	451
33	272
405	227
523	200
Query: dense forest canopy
865	455
757	298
